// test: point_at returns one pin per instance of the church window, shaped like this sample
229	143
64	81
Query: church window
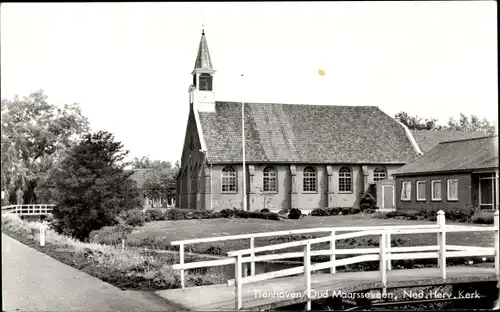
345	180
309	184
379	174
228	179
270	181
205	82
194	80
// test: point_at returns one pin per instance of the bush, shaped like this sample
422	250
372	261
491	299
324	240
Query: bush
482	217
319	212
227	213
367	202
155	215
133	217
294	213
265	210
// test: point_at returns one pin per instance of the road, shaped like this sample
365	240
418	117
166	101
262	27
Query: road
33	281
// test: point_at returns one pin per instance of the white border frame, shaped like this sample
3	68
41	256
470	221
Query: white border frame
492	193
432	190
418	193
448	190
393	196
402	188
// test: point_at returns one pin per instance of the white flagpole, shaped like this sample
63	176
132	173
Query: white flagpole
243	153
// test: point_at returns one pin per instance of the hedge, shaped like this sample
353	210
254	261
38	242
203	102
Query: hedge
190	214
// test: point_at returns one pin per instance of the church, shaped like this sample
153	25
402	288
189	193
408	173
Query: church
296	156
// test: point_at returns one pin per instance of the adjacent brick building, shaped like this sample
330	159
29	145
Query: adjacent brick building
461	173
296	156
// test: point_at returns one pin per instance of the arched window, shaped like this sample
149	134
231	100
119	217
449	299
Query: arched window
205	82
379	173
228	179
270	179
345	179
309	184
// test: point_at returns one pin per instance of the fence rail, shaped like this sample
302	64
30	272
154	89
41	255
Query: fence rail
385	253
27	210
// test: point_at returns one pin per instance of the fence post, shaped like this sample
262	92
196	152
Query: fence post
441	219
332	250
307	274
42	234
252	254
496	224
181	261
237	282
383	260
388	245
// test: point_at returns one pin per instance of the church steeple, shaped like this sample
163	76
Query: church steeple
202	95
203	60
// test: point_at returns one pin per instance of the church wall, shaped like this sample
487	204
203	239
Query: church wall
342	199
274	201
282	198
226	200
311	200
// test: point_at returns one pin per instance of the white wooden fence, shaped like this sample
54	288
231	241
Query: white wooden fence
27	210
385	253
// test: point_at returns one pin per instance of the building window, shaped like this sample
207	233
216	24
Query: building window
452	189
379	174
436	189
269	180
228	179
309	184
345	180
406	190
205	82
420	190
487	191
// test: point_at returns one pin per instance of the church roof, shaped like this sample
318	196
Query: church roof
203	60
427	139
461	155
285	133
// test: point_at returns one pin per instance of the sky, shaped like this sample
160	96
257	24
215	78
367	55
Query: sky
129	65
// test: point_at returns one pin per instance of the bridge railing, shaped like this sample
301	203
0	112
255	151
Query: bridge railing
384	253
329	231
34	209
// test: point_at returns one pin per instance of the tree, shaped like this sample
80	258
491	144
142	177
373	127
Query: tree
417	123
159	182
465	123
160	179
472	123
35	136
91	187
145	163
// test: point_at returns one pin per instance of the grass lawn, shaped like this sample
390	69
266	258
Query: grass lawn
163	232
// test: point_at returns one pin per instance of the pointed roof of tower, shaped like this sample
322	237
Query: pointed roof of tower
203	60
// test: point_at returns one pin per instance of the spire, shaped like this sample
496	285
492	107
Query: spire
203	60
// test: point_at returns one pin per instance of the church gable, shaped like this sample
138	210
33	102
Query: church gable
304	134
192	143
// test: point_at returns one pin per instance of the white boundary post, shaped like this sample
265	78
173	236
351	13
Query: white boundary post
388	245
442	243
307	274
237	282
252	254
42	234
181	261
383	261
496	224
332	249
